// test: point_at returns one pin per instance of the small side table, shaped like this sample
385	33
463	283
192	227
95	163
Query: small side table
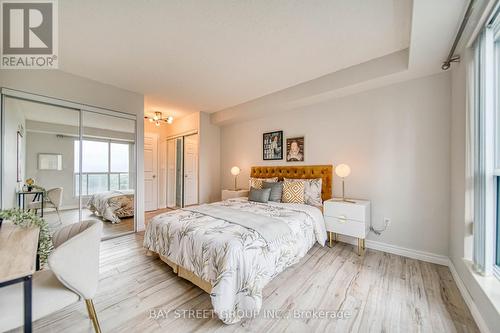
347	218
229	194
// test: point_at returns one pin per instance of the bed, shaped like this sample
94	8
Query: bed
233	262
112	205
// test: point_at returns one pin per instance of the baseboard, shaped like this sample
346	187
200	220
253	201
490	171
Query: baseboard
476	314
402	251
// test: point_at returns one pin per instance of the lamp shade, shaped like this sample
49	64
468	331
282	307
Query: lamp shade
235	171
342	170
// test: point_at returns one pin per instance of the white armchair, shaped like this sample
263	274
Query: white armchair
73	275
52	199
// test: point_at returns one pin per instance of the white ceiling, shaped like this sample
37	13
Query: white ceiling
192	55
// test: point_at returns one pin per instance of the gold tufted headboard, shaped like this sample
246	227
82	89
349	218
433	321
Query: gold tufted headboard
324	172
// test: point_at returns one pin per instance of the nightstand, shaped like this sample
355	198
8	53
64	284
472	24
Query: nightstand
347	218
229	194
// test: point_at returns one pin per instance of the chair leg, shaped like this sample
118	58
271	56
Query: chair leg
58	215
93	315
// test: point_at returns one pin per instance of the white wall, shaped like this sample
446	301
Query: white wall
209	160
186	124
396	140
48	143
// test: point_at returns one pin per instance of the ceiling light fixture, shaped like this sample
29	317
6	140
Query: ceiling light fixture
158	118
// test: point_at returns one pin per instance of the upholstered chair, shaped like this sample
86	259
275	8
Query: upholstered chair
51	199
73	276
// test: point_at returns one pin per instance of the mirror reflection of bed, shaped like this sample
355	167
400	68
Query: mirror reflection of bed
43	143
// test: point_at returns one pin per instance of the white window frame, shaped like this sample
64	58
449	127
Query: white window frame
108	173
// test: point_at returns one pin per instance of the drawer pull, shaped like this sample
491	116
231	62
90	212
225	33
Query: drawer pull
342	218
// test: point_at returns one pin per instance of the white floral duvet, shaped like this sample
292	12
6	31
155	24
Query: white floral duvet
234	259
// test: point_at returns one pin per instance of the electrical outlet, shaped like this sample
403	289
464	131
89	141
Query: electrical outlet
387	221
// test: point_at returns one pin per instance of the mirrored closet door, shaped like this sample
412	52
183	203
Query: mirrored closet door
67	164
38	160
182	171
107	178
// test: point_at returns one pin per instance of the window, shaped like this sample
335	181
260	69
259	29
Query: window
105	166
486	149
496	96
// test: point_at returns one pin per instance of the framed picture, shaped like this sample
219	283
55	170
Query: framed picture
48	161
19	147
295	149
272	146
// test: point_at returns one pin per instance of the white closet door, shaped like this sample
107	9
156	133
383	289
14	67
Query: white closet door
162	175
150	172
171	183
190	170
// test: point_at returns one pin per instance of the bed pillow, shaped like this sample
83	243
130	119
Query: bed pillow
257	182
293	192
259	195
276	190
312	190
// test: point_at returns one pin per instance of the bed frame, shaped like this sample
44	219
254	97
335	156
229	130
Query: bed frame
325	172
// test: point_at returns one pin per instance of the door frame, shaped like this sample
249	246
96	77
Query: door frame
157	190
182	135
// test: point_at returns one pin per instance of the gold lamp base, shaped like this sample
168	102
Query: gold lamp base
343	199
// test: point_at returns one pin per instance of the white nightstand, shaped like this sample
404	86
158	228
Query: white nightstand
229	194
347	218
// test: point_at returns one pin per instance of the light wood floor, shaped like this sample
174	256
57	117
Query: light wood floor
382	292
71	216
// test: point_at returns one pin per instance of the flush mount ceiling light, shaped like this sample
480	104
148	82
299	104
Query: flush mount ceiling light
158	118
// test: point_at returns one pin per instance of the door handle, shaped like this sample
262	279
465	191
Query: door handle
154	176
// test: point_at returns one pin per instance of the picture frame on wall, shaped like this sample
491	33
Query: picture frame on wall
272	146
295	149
19	154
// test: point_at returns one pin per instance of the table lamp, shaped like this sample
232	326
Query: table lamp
235	171
343	170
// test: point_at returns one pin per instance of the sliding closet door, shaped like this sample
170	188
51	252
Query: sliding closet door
191	170
171	173
38	144
108	171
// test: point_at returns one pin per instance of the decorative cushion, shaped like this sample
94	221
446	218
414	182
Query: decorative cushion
293	192
259	195
312	190
276	190
257	182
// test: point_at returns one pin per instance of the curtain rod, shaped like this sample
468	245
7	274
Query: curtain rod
451	56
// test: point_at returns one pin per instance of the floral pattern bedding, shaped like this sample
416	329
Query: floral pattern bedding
234	259
112	205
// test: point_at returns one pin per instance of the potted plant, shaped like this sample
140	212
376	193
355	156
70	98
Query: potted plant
25	219
30	182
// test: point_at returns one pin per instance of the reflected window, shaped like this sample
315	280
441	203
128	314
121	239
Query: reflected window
105	166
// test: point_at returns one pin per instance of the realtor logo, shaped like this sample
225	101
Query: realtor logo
29	34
